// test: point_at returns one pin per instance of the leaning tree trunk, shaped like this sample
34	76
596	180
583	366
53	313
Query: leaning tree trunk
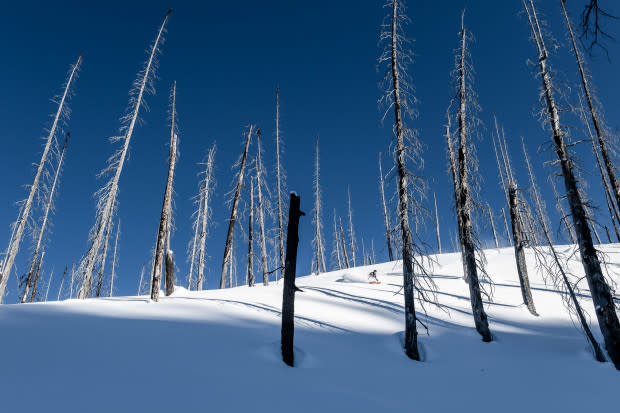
104	256
464	203
261	213
288	293
344	246
598	127
48	207
35	281
113	275
388	230
251	237
599	289
519	243
226	263
492	225
16	239
437	224
107	204
166	209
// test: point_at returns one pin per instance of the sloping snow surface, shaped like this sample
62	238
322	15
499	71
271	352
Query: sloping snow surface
218	350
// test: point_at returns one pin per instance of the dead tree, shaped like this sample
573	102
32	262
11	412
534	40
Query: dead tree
169	272
437	224
351	232
226	262
62	115
202	222
141	279
398	93
48	207
280	184
114	260
251	236
49	283
492	225
319	250
564	217
336	250
455	183
464	200
344	246
103	259
262	206
288	293
386	217
516	208
166	208
538	201
35	281
194	242
62	282
107	195
506	227
599	289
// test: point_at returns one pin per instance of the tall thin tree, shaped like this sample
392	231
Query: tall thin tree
261	185
227	260
280	185
166	208
250	276
114	260
386	217
318	265
352	241
62	115
599	288
107	195
437	224
204	215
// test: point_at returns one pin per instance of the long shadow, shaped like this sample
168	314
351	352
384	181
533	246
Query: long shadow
548	290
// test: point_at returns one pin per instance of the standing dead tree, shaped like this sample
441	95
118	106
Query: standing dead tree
398	96
591	28
48	208
62	115
506	227
538	201
599	288
344	246
107	195
280	184
287	332
318	265
203	215
563	215
465	98
437	224
352	241
263	204
516	208
386	217
166	208
250	276
336	254
492	225
227	261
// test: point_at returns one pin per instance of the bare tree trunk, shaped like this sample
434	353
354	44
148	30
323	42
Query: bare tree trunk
251	236
62	282
540	209
560	208
594	113
437	224
464	201
388	230
226	263
319	261
197	226
166	208
279	184
118	230
517	232
104	258
35	281
492	225
61	113
351	232
141	278
49	283
207	187
107	202
344	246
599	289
48	208
261	214
337	242
288	293
169	273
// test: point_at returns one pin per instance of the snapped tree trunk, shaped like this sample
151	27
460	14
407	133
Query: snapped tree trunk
288	293
226	262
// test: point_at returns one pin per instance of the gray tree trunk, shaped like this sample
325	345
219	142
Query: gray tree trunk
24	217
319	260
337	242
166	209
492	225
599	289
563	214
251	236
226	262
279	185
288	293
35	281
114	261
261	214
437	224
351	232
344	246
104	258
207	187
169	273
62	282
388	229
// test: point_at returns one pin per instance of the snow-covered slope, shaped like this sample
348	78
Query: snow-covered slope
219	350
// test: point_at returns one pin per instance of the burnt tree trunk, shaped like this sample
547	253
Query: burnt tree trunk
288	293
169	272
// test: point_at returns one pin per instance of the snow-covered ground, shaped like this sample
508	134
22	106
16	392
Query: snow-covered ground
219	350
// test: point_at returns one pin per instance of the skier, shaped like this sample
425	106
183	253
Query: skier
372	277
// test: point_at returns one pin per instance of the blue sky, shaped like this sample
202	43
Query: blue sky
227	59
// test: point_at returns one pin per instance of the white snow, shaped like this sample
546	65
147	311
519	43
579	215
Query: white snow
218	350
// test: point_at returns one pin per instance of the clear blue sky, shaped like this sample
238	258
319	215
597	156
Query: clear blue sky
227	59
